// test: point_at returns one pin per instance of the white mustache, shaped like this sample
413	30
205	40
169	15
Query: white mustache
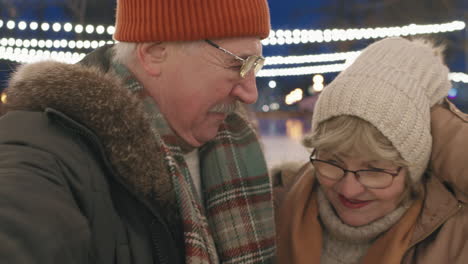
224	108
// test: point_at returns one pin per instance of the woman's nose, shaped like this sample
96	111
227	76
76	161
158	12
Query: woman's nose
349	186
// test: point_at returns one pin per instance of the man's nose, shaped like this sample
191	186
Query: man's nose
246	90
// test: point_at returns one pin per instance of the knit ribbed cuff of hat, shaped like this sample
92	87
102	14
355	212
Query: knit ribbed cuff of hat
181	20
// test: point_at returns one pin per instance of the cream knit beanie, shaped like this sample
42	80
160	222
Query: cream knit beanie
392	85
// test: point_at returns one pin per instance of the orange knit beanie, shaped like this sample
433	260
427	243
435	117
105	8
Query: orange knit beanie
186	20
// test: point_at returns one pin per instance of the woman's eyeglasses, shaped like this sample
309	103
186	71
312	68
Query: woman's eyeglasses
375	178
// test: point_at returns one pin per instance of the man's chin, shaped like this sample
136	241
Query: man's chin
206	135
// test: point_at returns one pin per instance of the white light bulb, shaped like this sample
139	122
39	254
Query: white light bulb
79	29
56	44
49	43
71	44
110	30
281	41
56	27
272	84
22	25
45	26
265	42
67	27
10	24
33	43
272	34
33	25
100	29
86	44
279	33
64	43
89	29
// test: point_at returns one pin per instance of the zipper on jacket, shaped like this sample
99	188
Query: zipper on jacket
80	130
162	259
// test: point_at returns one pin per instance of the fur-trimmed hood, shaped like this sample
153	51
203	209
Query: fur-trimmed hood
100	102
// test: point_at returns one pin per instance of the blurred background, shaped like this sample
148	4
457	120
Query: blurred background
310	43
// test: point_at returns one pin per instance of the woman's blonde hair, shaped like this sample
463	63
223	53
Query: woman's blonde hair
357	137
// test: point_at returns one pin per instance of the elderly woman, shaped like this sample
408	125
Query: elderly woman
367	195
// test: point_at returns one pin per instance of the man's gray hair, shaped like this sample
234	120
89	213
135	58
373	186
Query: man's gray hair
124	52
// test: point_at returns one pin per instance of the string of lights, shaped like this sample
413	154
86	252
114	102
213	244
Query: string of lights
298	36
33	55
277	37
53	43
93	44
12	44
24	50
305	70
332	68
25	55
325	57
57	27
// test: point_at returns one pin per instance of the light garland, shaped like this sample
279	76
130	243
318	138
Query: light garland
32	55
458	77
306	70
298	36
22	53
93	44
332	68
277	37
50	43
326	57
57	27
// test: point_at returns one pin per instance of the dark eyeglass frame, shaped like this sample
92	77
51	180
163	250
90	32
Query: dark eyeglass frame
356	172
252	62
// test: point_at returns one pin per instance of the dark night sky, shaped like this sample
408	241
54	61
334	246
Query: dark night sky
289	14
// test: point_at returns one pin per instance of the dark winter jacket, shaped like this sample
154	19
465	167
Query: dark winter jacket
65	194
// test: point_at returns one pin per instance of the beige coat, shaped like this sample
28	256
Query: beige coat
441	230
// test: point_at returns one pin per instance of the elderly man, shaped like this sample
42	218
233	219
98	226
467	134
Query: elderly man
139	154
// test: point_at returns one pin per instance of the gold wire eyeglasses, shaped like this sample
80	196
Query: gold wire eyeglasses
252	62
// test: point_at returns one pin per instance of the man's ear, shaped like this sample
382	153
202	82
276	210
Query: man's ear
151	56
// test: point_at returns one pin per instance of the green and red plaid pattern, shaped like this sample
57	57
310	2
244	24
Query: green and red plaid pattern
236	225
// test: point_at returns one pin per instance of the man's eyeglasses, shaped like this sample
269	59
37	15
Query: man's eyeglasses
253	62
375	178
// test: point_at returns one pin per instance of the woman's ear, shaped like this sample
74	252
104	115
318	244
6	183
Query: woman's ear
151	56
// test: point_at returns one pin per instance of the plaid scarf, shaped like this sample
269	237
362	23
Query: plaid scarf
236	224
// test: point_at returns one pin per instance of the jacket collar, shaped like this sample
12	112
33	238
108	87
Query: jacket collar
439	205
99	101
